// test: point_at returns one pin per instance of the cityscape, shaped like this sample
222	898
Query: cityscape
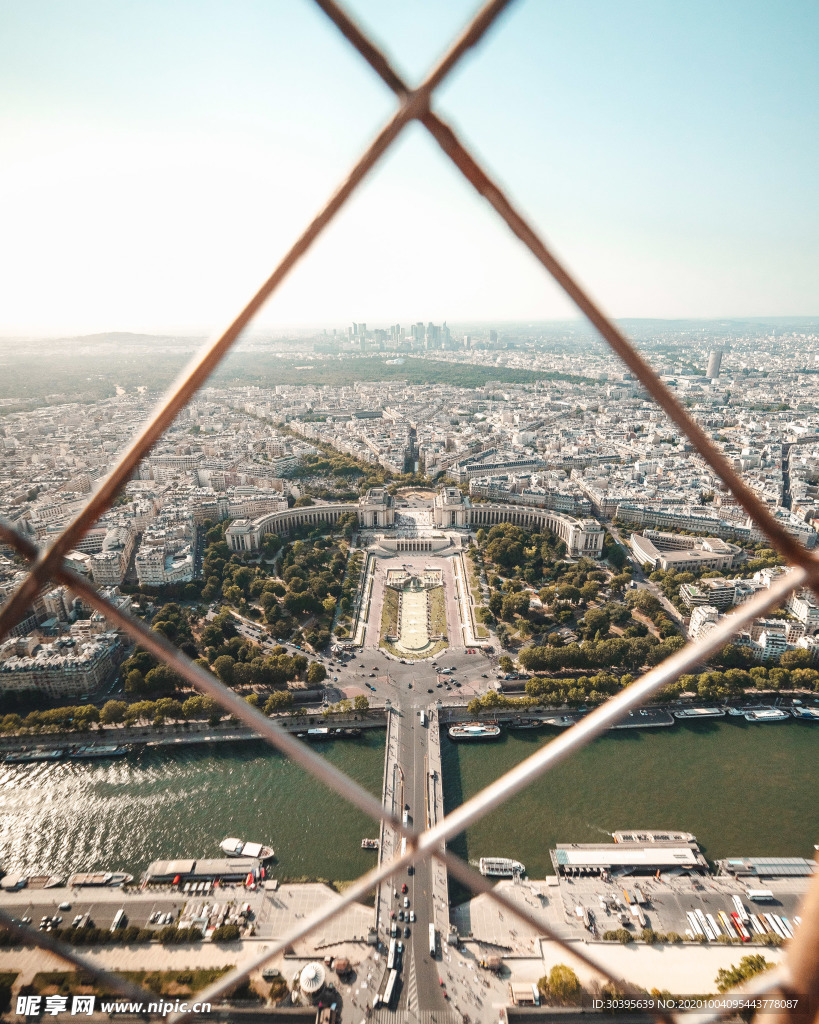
465	567
409	512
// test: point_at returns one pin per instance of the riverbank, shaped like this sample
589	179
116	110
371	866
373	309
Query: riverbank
183	733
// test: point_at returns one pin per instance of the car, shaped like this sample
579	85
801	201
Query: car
372	675
453	668
404	888
406	901
484	675
335	679
25	920
393	929
400	915
412	917
392	915
375	668
430	690
643	712
65	905
411	869
406	932
400	947
439	685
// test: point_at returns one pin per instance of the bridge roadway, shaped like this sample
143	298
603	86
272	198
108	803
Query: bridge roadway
413	750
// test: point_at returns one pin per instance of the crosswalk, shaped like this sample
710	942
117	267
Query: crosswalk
412	984
415	1017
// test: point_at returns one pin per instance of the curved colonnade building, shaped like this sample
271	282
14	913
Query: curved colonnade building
450	510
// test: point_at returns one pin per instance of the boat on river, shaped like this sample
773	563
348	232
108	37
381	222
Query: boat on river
92	751
500	867
241	848
474	731
806	714
524	723
100	878
29	756
766	715
700	713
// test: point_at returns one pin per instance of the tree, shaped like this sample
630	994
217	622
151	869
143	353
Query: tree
796	659
316	673
748	967
360	703
616	556
561	985
135	682
161	678
505	663
212	710
278	702
192	707
113	711
223	667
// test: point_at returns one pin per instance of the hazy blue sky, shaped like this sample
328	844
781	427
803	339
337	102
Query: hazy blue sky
157	158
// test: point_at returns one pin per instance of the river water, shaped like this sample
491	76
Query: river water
740	788
162	803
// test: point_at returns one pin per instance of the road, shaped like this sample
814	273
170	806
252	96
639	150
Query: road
421	990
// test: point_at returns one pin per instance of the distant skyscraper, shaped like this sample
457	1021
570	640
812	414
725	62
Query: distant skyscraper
714	363
493	336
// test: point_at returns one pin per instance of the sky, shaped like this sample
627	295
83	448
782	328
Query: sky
158	158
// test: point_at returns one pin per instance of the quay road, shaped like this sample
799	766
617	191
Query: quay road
411	748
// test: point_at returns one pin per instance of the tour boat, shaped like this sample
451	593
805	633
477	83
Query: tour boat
100	878
500	867
766	715
241	848
103	750
474	731
700	713
806	714
370	844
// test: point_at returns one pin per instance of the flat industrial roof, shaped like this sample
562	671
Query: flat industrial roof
210	868
621	855
770	867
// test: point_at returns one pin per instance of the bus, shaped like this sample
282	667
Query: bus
391	956
389	991
119	920
433	945
423	718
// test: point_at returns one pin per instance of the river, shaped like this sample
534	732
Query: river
742	789
162	803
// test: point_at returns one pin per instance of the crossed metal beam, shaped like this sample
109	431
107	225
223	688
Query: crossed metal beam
415	104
